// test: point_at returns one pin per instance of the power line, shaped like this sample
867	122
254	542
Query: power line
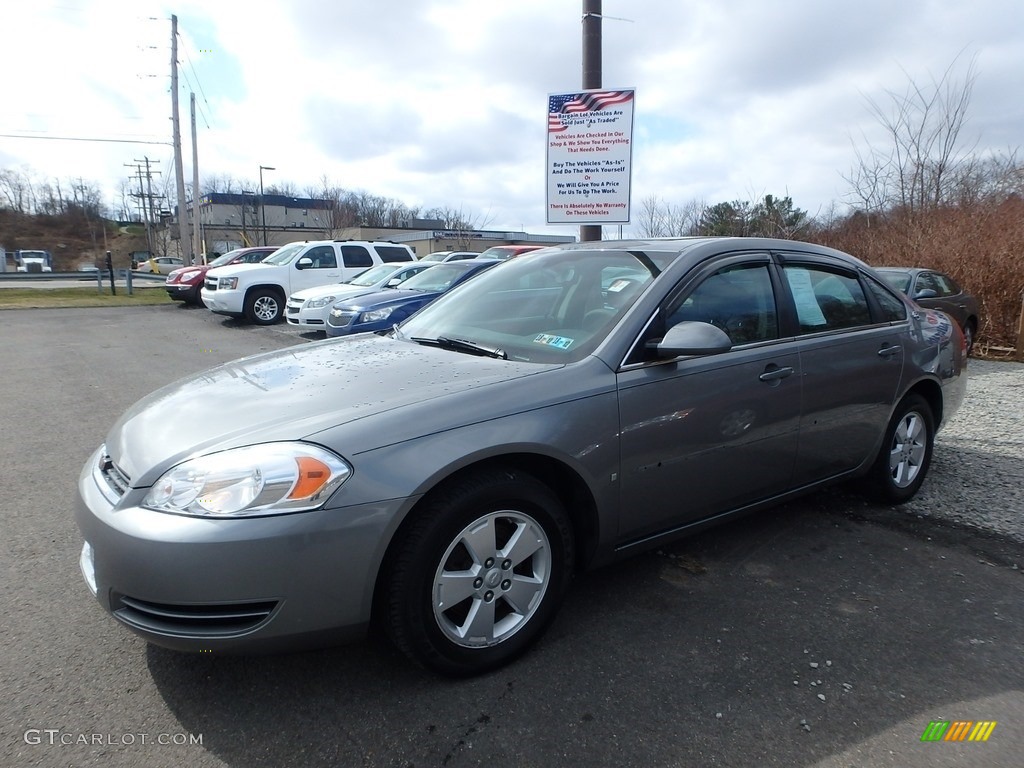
81	138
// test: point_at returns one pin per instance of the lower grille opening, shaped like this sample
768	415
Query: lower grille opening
207	620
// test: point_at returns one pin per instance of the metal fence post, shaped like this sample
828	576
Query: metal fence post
110	271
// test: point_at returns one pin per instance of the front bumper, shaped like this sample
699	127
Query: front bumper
296	313
182	291
221	585
225	302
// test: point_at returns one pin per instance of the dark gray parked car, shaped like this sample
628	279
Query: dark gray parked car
565	409
937	290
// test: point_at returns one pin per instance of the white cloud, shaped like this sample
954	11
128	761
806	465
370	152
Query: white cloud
440	103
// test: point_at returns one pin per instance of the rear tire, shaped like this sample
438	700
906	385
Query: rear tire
906	452
479	574
264	307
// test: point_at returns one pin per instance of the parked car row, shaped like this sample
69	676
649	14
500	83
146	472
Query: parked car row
308	283
554	412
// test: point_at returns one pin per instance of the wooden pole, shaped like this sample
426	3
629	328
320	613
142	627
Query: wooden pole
1020	331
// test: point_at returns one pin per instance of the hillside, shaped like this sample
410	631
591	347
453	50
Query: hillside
70	237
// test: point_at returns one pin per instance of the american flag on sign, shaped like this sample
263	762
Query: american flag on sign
590	101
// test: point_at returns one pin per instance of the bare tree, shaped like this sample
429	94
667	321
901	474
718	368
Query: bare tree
924	164
659	218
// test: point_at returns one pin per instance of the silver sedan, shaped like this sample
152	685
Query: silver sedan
563	410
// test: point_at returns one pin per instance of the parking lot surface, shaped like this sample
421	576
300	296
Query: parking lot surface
828	632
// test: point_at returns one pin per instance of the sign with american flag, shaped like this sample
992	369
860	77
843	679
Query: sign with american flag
589	156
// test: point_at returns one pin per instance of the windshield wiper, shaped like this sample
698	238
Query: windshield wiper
462	345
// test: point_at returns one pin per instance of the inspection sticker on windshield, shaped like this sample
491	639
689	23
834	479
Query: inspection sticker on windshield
553	341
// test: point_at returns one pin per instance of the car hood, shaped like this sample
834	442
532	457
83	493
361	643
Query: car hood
383	297
290	394
335	289
231	270
176	274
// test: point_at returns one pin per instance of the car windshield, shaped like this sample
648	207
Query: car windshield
497	252
898	280
436	256
439	278
372	276
285	254
552	307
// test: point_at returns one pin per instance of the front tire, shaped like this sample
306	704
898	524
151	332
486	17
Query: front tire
906	451
480	573
264	307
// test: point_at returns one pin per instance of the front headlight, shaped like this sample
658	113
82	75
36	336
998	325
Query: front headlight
317	303
268	479
377	315
227	284
184	277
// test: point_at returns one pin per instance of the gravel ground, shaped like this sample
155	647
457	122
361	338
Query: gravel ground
981	453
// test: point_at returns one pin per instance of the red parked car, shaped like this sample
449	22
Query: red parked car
186	283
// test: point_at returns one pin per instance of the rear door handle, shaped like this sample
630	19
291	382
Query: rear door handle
774	374
889	351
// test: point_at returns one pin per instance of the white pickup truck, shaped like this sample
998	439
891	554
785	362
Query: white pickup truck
258	292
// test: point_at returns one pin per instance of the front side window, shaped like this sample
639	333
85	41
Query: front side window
927	281
737	299
322	257
826	300
946	286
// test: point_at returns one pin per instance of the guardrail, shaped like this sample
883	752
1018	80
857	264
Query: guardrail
99	274
126	278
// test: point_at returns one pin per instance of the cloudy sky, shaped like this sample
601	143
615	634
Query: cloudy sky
443	102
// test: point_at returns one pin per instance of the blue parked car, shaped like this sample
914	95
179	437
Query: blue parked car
381	310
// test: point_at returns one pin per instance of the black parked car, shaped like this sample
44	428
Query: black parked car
937	290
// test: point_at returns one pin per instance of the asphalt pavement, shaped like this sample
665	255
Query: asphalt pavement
828	632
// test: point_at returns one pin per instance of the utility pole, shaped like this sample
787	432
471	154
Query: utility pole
184	240
197	248
145	198
591	79
263	207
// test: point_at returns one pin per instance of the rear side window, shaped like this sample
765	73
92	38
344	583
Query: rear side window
390	254
893	309
826	301
356	256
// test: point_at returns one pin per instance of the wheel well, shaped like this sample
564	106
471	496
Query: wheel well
269	287
932	393
565	483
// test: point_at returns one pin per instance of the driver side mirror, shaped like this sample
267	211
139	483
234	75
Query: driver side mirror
304	263
691	338
926	293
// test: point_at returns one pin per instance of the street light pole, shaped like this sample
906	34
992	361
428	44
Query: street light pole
263	209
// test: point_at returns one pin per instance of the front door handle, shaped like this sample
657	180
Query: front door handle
889	351
774	373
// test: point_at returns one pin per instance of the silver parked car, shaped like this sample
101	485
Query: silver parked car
568	408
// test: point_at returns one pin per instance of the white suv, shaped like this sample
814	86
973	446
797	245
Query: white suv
258	291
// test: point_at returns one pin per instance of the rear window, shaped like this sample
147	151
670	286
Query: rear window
356	256
390	254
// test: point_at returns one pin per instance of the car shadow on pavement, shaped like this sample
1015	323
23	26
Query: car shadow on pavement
795	637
